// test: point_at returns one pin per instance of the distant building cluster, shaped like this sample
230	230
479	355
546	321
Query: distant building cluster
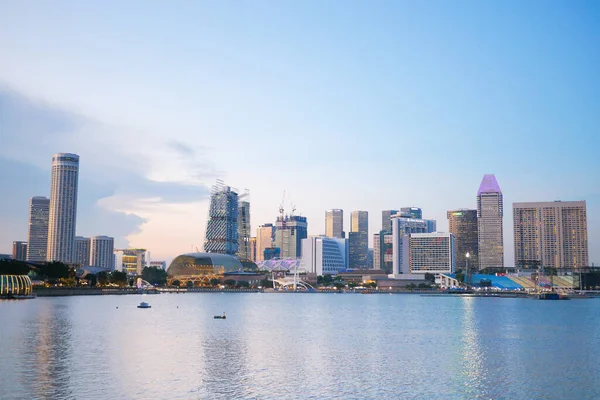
546	234
52	223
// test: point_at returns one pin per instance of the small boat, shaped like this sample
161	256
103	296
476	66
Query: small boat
552	296
144	305
220	316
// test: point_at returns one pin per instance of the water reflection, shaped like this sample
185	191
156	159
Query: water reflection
299	346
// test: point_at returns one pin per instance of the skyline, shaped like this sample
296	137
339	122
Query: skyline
279	93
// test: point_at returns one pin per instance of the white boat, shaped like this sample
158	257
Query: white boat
144	305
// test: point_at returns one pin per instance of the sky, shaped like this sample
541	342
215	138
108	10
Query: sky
341	104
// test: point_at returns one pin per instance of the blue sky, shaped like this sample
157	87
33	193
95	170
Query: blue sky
352	105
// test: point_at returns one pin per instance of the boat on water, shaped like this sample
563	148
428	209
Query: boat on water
220	316
552	296
143	304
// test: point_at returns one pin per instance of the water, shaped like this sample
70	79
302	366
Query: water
289	346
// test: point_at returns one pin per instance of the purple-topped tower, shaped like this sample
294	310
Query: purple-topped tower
489	223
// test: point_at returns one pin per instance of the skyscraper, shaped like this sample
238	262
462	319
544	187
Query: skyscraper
244	231
37	235
413	212
334	223
386	223
82	251
324	256
359	239
63	207
289	233
19	251
253	248
489	224
101	251
264	240
222	225
551	234
463	225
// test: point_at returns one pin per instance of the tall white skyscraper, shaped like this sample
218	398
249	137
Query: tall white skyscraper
101	251
334	223
37	235
489	223
63	208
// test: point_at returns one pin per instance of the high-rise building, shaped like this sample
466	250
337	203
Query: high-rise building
489	224
413	212
264	240
253	248
131	261
102	251
431	225
431	253
82	250
37	235
551	234
383	251
158	264
289	233
463	225
63	208
404	226
322	255
386	223
244	231
359	240
334	223
222	225
19	251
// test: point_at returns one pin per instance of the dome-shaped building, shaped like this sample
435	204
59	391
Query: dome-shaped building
202	267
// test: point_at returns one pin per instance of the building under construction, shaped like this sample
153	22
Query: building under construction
289	232
222	224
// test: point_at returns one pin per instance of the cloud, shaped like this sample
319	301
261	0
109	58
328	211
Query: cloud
122	184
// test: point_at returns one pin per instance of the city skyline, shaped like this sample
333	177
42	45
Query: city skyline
476	93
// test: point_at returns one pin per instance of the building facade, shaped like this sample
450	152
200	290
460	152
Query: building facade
82	250
19	251
253	248
37	234
358	240
463	225
386	223
431	253
412	212
244	251
222	224
264	240
289	233
158	264
551	234
62	219
102	251
130	261
322	255
489	224
334	223
404	226
383	251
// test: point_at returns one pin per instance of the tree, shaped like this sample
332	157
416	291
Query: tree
154	275
55	270
339	285
189	284
214	281
13	267
103	278
429	277
92	279
411	286
118	278
424	286
176	283
372	285
243	284
229	282
266	283
352	285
